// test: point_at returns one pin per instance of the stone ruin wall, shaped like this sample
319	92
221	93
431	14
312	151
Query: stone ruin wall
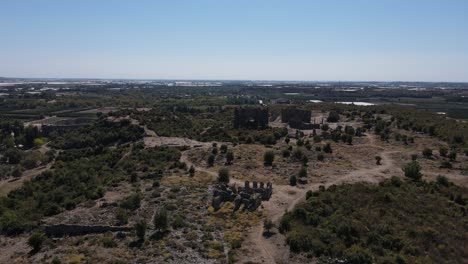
253	118
78	230
247	197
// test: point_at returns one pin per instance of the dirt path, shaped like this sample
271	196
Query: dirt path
13	184
273	249
184	158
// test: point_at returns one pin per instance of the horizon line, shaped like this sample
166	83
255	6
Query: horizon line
231	80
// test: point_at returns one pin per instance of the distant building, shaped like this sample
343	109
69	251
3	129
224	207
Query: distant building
298	118
281	101
252	118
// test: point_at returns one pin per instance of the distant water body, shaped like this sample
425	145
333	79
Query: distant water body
347	103
356	103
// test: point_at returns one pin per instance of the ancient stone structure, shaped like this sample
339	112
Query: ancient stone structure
64	124
253	118
78	230
298	118
248	197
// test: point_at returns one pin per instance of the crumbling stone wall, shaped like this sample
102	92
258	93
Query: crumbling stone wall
296	115
252	118
247	197
64	125
298	118
78	230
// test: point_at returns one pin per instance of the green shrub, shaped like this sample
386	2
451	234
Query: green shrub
211	160
268	158
303	172
327	148
140	229
10	224
36	240
268	225
443	151
223	175
108	242
413	170
453	155
121	217
160	219
365	223
358	255
229	157
178	222
56	260
320	157
442	180
293	180
427	153
285	224
132	202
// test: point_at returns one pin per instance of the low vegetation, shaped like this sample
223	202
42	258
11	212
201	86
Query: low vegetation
394	222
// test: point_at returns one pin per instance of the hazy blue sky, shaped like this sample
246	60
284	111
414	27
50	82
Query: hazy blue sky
405	40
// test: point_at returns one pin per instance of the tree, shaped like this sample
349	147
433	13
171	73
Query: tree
140	229
285	223
17	172
210	160
349	139
443	151
304	160
160	219
299	142
412	170
297	154
223	175
229	157
268	225
36	240
442	180
9	141
192	170
325	127
268	158
327	148
10	224
320	157
13	156
378	159
214	151
333	117
287	140
292	180
303	172
223	148
121	217
38	142
453	155
427	153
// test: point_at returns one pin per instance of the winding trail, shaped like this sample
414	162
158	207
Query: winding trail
273	249
13	184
